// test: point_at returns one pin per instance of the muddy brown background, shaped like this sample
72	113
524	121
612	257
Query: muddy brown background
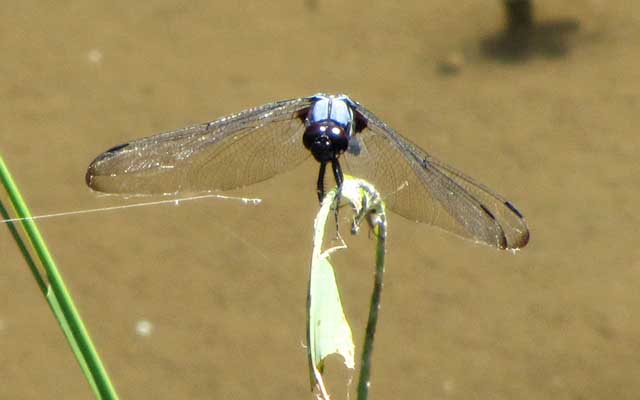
553	128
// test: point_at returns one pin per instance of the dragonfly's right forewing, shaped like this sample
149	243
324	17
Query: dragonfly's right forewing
227	153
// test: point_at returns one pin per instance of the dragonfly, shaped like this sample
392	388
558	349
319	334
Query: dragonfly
256	144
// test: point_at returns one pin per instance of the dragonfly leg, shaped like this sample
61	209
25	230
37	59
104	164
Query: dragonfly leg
337	174
320	187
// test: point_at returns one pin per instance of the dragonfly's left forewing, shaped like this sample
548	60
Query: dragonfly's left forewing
422	188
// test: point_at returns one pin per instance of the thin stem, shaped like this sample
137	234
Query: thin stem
374	307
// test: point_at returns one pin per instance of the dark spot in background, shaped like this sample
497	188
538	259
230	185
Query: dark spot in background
523	37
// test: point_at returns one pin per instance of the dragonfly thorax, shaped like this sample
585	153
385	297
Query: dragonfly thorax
328	127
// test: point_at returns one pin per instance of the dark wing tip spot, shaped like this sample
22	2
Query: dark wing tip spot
502	242
489	213
524	236
91	171
117	148
110	152
514	209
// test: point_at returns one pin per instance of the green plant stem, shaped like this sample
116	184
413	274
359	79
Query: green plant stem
367	348
88	356
23	249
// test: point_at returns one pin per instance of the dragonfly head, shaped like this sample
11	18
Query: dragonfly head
326	140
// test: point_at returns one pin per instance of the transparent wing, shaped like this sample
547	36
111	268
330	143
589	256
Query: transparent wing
419	187
227	153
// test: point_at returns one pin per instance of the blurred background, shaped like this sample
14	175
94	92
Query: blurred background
541	106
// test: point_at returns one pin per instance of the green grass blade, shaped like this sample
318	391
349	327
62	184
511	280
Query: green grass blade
57	295
24	249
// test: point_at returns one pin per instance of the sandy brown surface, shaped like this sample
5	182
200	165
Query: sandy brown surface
553	128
